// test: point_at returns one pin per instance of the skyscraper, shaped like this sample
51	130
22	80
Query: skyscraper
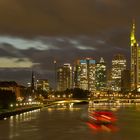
125	81
101	75
84	74
64	77
118	65
135	61
43	84
33	83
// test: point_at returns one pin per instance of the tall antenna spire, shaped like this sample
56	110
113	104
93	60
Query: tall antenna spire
32	82
132	37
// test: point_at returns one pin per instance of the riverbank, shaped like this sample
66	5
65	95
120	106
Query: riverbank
9	113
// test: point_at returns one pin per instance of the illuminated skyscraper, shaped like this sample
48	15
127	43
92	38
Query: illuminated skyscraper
84	74
101	78
118	65
43	84
64	77
135	61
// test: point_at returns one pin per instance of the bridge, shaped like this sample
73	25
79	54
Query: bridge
118	100
63	101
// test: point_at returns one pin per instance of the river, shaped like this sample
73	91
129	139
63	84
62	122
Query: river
69	123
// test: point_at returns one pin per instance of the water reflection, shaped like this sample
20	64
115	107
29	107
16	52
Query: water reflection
15	121
103	127
71	121
102	118
63	107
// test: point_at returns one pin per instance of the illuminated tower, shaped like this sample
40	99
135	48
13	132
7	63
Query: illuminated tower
33	83
118	65
135	61
43	85
64	77
101	75
84	74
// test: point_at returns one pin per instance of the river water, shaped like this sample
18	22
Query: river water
70	123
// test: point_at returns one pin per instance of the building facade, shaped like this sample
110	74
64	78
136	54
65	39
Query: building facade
135	61
101	75
84	74
125	81
43	84
64	77
118	65
12	86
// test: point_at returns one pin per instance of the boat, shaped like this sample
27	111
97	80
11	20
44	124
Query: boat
102	117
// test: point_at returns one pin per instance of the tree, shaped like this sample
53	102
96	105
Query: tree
79	93
7	98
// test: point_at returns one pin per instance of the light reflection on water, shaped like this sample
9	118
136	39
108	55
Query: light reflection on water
69	121
126	127
14	122
63	107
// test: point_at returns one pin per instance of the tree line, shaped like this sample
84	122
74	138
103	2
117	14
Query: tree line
7	98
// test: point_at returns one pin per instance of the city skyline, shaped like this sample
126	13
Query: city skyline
69	69
34	35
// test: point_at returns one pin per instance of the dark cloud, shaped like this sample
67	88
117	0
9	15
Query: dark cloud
64	30
67	50
64	17
8	50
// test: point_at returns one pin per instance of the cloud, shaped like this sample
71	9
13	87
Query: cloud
85	47
59	48
64	17
67	52
21	43
15	62
35	32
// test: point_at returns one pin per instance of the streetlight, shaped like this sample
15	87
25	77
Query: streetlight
11	105
64	96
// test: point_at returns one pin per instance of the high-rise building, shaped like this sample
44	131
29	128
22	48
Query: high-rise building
125	81
109	80
33	83
43	84
64	77
84	74
101	75
118	65
13	87
135	61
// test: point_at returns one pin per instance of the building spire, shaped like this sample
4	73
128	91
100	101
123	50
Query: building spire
32	82
102	60
133	37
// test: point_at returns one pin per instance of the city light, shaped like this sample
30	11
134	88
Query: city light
11	105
